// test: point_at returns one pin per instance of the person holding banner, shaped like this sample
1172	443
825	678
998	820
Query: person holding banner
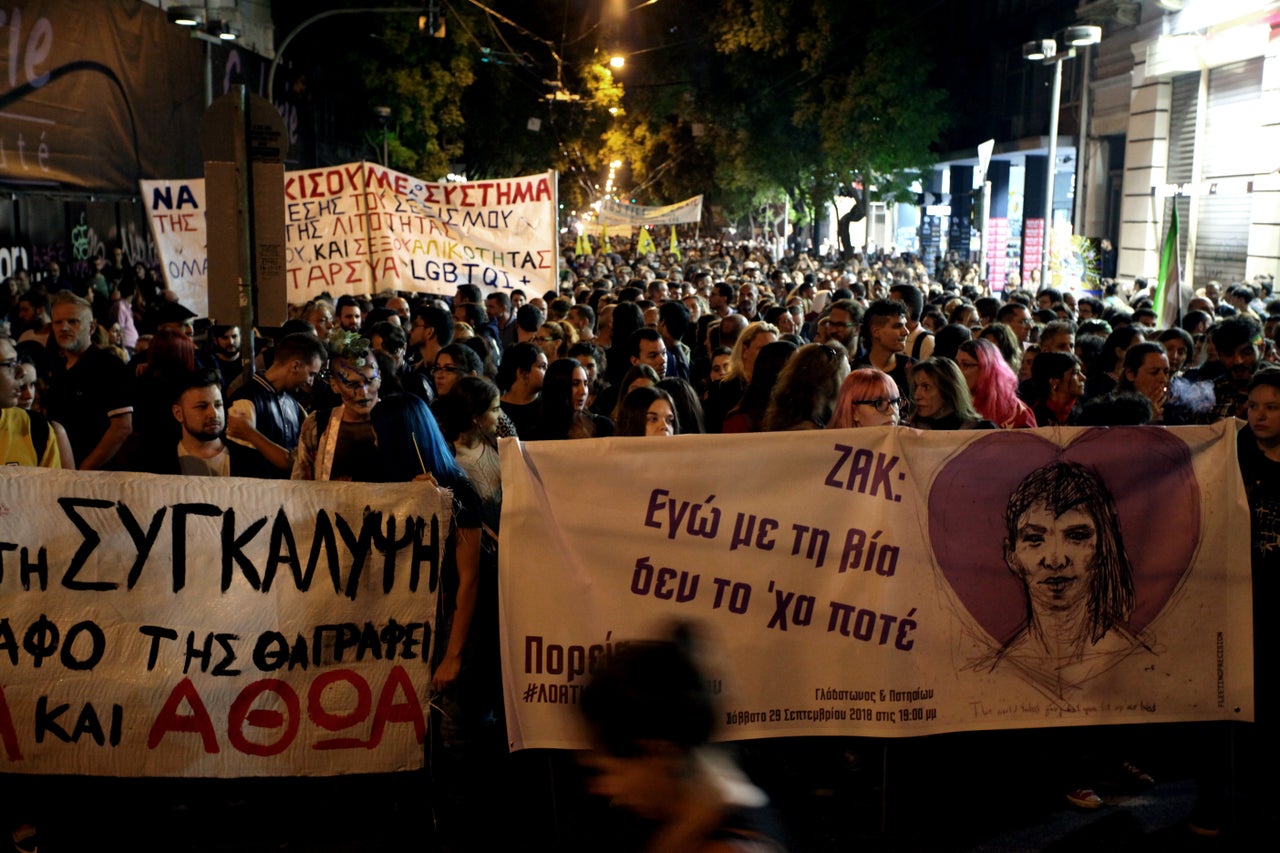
468	733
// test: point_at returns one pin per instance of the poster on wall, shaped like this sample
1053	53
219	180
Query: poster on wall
886	582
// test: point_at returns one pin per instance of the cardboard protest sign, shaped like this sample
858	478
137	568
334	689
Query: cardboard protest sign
884	581
201	626
360	229
175	210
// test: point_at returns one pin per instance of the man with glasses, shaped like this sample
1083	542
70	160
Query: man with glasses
26	438
339	443
430	331
842	323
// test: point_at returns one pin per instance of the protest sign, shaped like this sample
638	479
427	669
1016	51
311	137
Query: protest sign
884	581
175	210
613	212
360	229
192	626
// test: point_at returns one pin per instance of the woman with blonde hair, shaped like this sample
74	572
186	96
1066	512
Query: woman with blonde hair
755	337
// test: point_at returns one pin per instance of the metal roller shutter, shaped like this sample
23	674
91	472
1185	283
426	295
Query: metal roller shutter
1231	159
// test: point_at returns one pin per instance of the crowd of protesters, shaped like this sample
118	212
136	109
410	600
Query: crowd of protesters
110	373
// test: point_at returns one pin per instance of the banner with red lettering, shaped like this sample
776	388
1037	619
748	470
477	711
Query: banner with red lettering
204	626
883	581
361	229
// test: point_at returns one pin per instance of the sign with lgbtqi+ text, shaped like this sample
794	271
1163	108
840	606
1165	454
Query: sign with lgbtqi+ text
361	229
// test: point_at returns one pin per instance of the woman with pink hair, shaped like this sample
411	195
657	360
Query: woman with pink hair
868	397
994	385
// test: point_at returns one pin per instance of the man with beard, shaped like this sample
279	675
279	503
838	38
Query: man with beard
226	352
1238	342
201	451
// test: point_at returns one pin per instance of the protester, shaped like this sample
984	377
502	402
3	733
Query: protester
520	376
804	396
994	385
88	391
648	411
563	405
941	398
265	419
26	437
651	719
1057	383
868	397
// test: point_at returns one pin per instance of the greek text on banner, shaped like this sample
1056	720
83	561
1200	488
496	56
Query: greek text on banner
360	229
246	628
884	581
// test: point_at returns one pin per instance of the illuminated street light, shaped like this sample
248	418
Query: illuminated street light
617	61
1046	52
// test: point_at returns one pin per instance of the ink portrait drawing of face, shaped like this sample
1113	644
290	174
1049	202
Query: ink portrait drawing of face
1063	567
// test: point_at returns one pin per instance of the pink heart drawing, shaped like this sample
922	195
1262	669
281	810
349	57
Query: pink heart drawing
1147	470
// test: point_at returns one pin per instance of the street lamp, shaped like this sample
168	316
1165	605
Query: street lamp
1045	51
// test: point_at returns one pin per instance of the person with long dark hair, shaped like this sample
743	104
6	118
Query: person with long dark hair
1057	382
563	401
688	406
648	411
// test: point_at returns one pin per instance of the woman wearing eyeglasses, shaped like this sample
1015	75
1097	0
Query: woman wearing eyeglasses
868	397
942	398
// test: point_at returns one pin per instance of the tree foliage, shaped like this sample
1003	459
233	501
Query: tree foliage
740	100
842	82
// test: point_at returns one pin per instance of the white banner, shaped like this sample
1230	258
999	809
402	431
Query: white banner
612	212
887	582
175	210
360	229
193	626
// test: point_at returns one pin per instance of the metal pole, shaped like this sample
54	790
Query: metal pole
1083	153
1053	167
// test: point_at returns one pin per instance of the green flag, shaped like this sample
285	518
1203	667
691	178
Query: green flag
1168	297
